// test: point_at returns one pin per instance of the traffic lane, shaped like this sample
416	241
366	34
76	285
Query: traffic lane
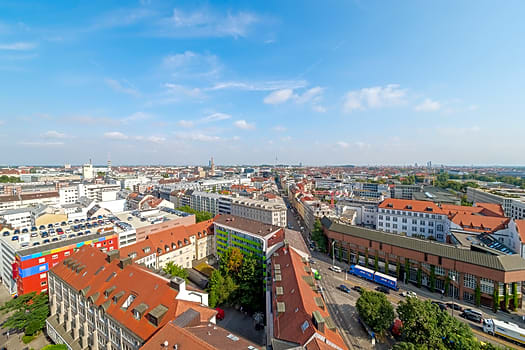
394	297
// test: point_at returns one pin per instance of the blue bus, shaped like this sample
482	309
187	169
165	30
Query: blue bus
377	277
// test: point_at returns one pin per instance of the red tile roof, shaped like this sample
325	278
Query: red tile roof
479	223
97	279
411	205
295	323
491	209
520	227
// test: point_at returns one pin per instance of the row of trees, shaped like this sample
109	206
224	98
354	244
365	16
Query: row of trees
29	313
425	326
238	281
9	179
199	215
319	237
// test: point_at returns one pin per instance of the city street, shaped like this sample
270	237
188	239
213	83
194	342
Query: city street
347	321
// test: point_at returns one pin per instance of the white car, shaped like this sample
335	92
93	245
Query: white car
410	294
335	269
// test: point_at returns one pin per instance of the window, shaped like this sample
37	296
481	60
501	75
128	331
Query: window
439	228
67	253
387	218
55	256
43	283
486	285
422	229
422	222
414	221
404	220
43	275
394	219
440	261
426	257
394	226
380	223
404	228
41	260
469	281
387	224
439	270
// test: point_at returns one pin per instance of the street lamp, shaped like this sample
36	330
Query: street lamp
453	280
333	253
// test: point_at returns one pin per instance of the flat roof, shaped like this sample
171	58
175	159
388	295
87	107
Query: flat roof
135	218
500	262
254	227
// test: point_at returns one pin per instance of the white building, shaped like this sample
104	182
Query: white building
17	218
268	212
87	171
413	218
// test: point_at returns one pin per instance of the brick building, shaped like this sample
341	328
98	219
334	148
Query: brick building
432	261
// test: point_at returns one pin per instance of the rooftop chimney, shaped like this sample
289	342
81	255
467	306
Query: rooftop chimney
112	255
179	284
124	262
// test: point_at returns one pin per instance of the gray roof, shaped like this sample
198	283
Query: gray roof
256	228
500	262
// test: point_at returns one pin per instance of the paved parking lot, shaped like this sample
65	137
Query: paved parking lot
241	324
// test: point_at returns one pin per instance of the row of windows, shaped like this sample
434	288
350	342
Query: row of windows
410	213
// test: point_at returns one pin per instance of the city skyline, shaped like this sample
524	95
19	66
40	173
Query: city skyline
362	83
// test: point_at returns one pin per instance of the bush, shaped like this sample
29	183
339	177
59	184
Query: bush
55	347
28	338
375	310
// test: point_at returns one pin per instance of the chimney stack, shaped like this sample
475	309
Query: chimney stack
124	262
112	255
179	284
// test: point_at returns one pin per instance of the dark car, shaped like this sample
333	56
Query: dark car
45	241
50	226
34	229
344	288
441	305
80	233
44	234
42	227
36	243
454	306
358	289
54	239
72	235
25	230
6	233
16	232
383	290
63	223
14	238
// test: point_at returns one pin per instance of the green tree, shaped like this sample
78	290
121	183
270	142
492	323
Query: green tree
426	326
419	277
55	347
366	257
375	310
231	261
376	261
477	295
515	301
250	293
29	312
199	215
407	270
220	288
319	237
495	298
432	278
506	296
176	271
408	346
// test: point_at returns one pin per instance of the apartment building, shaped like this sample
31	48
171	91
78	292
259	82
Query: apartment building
211	202
23	200
366	209
26	260
466	269
250	236
413	218
102	301
404	191
296	312
268	212
512	200
181	245
17	218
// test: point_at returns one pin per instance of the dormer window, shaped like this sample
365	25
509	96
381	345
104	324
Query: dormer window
128	302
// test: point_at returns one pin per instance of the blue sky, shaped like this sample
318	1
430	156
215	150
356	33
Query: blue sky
333	82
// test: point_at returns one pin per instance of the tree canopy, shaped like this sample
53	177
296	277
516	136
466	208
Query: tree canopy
9	179
427	327
375	310
199	215
176	270
319	237
239	280
30	312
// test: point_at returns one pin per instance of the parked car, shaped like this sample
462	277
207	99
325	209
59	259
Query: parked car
335	269
454	306
409	294
87	232
42	227
54	239
14	238
36	243
344	288
25	230
45	241
358	289
72	235
441	305
34	229
6	233
383	289
473	315
63	223
44	234
34	234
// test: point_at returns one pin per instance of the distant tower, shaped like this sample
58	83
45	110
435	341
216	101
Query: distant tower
109	164
212	167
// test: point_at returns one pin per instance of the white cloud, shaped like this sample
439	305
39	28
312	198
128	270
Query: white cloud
318	108
243	124
39	144
279	96
185	123
177	91
374	97
192	64
260	86
20	46
137	116
122	86
115	135
156	139
343	144
197	136
121	18
205	23
313	94
216	117
279	128
428	105
52	134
